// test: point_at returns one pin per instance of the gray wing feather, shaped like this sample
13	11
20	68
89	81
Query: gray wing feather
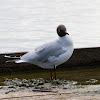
46	52
43	53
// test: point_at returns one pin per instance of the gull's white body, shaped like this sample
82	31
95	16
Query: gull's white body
50	54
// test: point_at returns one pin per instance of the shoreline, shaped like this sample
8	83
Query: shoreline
48	90
16	52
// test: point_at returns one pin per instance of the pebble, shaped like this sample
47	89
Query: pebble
92	81
16	83
10	91
35	82
11	86
1	87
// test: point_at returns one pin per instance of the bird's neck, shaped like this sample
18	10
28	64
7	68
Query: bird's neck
66	40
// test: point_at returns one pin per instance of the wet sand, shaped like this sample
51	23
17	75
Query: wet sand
67	90
91	92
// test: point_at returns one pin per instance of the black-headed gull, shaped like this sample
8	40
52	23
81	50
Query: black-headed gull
51	54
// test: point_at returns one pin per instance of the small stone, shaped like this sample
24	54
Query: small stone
74	82
65	88
7	92
19	84
32	85
92	81
11	86
10	91
41	83
27	85
16	79
56	82
24	81
1	87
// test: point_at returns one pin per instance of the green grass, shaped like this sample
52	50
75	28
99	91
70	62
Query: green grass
80	75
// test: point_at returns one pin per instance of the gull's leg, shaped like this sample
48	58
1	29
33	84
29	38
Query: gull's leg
55	72
51	73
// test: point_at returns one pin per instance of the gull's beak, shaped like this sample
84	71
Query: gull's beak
66	33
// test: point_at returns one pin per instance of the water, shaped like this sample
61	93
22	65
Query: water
25	24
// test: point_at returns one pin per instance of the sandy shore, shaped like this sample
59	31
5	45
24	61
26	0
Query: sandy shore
75	92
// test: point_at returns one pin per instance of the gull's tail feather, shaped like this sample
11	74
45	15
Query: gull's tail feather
14	57
19	61
16	61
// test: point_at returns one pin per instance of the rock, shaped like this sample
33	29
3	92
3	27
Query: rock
92	81
27	85
40	79
1	87
24	81
31	85
74	82
19	84
10	91
33	80
41	82
11	86
56	82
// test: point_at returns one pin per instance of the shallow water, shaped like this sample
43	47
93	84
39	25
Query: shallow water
79	75
25	24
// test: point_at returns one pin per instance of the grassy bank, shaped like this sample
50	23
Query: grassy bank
80	75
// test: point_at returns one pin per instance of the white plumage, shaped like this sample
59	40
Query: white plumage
50	54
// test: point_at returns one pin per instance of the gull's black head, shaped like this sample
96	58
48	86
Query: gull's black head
61	30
